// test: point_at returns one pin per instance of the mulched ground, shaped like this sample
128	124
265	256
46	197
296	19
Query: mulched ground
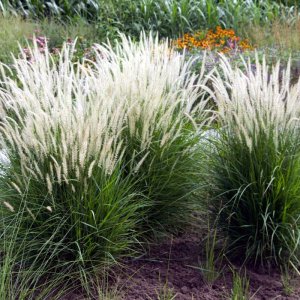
174	263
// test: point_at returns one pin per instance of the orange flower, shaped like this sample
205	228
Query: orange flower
222	40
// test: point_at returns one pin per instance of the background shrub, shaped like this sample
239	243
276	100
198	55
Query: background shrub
170	18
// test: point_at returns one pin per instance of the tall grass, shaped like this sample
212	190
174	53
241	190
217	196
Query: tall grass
169	18
163	102
13	30
256	163
279	40
16	31
21	279
97	152
64	152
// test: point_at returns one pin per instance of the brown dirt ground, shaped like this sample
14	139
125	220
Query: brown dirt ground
174	263
174	266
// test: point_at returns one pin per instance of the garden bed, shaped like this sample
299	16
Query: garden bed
149	150
171	270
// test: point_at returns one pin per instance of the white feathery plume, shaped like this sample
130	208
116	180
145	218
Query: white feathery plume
8	206
64	120
257	100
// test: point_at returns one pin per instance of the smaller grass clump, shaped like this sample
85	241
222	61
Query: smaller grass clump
256	163
240	286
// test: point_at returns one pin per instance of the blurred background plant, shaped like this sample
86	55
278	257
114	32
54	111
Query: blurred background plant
170	18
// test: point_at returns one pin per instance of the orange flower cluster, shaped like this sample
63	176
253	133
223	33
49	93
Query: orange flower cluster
222	40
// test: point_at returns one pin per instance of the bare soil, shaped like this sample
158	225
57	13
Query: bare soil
175	266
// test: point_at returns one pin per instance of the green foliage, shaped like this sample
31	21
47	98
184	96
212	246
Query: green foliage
170	18
91	167
13	31
209	268
170	177
18	281
240	287
91	227
260	201
256	165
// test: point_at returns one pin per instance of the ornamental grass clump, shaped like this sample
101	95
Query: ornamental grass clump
256	163
97	152
165	112
64	167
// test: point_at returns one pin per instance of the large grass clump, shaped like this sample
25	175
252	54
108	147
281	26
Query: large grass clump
256	163
64	164
95	153
165	114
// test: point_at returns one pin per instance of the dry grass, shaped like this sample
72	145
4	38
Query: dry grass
13	30
284	36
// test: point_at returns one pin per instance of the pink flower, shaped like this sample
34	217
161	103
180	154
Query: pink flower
41	41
